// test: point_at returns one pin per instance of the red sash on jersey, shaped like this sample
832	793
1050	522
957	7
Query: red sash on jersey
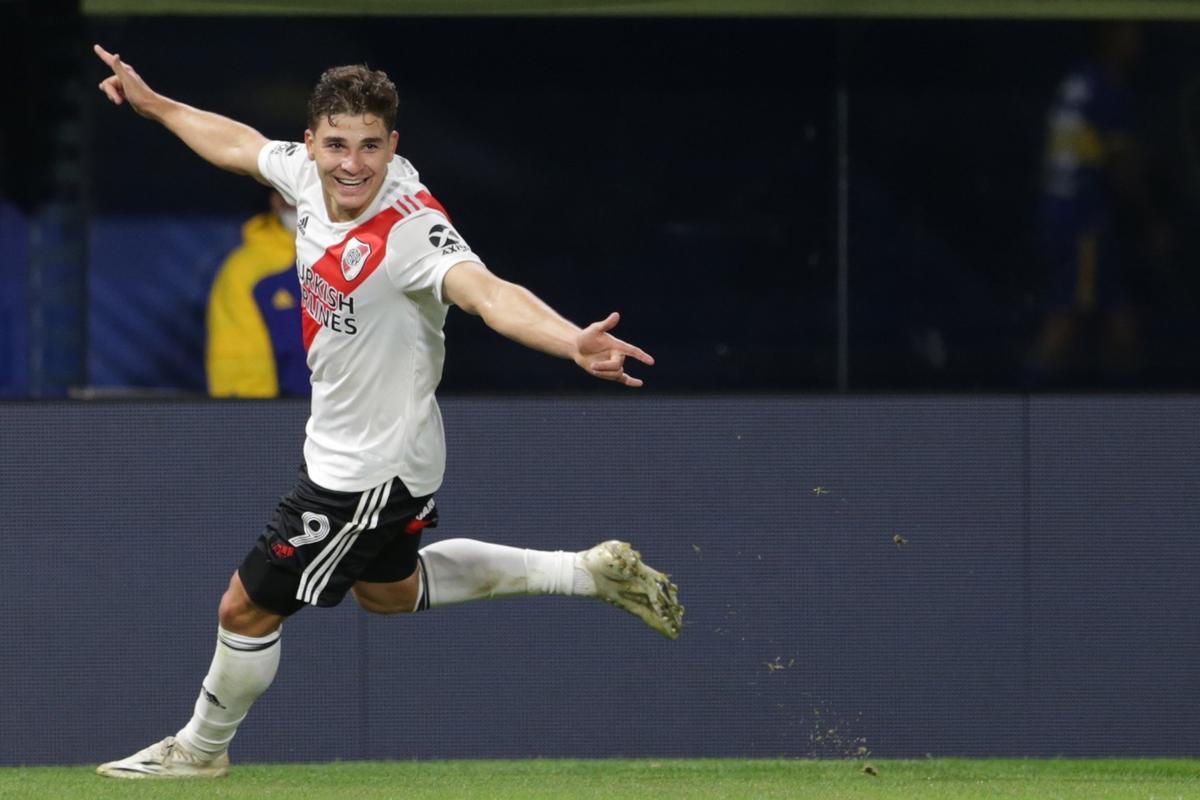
373	235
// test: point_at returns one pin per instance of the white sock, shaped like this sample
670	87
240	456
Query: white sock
242	669
459	570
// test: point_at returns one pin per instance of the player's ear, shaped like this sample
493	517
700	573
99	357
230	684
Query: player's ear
394	140
309	142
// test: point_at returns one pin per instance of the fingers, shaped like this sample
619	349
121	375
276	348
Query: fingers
105	56
630	350
111	86
613	369
113	60
607	324
610	367
610	342
617	375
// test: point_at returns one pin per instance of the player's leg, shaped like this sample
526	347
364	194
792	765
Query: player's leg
389	597
242	668
461	570
286	569
466	570
402	578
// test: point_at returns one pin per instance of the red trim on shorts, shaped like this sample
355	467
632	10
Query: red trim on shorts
416	525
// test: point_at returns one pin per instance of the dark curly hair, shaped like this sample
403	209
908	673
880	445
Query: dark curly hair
354	89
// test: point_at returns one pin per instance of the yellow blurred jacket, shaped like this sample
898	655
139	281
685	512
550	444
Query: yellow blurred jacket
241	357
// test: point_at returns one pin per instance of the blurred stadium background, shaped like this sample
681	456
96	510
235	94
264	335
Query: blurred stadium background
820	217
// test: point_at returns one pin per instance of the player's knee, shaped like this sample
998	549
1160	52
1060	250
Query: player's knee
231	611
233	608
237	613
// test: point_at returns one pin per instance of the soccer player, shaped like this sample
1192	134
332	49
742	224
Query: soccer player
379	264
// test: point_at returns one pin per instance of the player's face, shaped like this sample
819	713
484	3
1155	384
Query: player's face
352	155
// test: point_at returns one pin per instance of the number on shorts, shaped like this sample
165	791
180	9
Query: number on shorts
316	528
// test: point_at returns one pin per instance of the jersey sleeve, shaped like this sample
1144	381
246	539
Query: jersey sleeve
279	163
421	250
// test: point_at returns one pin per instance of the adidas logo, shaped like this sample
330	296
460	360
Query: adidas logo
210	697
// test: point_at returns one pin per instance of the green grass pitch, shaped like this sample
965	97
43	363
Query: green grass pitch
710	779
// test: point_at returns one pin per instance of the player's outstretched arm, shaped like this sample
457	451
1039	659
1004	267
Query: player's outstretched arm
519	314
219	140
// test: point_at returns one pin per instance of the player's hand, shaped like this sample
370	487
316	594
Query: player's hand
603	355
125	85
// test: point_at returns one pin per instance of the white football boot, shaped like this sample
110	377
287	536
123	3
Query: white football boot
166	759
625	581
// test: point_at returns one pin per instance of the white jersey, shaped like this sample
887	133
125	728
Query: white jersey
372	316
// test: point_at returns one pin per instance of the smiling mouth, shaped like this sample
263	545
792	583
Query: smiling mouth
349	183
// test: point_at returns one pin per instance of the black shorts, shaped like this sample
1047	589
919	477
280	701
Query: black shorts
320	542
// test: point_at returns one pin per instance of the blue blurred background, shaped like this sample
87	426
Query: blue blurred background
774	203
